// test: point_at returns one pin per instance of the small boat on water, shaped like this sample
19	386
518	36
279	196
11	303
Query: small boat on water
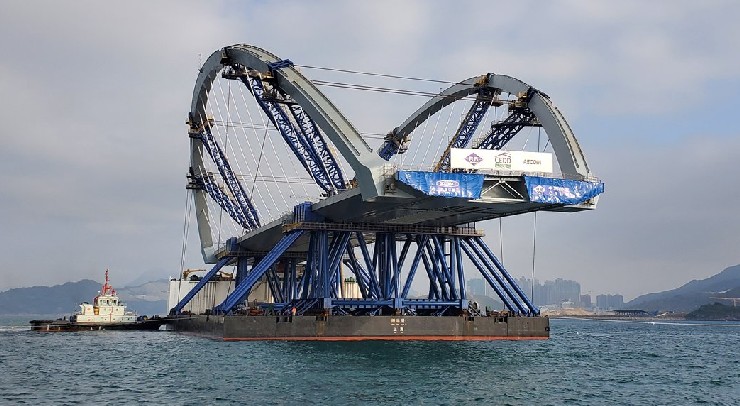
107	312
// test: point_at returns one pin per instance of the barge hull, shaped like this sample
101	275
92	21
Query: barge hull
359	328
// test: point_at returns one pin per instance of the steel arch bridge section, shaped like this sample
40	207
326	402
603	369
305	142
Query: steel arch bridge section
366	165
567	150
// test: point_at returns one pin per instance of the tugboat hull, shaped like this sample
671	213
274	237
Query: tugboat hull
65	325
357	328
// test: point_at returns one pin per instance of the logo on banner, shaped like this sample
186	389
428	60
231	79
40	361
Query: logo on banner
502	161
447	187
474	159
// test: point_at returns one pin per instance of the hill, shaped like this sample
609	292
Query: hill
693	294
59	299
149	298
715	311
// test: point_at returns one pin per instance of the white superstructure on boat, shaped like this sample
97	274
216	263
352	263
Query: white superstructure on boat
105	309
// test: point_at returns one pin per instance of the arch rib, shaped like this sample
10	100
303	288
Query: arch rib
567	150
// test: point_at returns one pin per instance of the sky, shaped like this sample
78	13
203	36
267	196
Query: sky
95	97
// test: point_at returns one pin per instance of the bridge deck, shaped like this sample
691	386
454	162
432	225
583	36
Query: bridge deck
404	209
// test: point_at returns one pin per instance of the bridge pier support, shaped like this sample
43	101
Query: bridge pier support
382	263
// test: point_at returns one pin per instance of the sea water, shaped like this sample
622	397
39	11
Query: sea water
585	362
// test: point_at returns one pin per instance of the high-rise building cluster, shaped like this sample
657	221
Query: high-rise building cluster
560	292
609	302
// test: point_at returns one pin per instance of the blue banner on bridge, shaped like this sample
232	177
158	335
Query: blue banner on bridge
445	184
565	191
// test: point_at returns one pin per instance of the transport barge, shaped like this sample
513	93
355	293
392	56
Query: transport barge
262	319
357	328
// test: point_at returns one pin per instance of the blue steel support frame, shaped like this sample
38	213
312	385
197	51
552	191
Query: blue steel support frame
384	274
467	127
491	279
305	140
289	132
237	190
532	308
318	144
502	132
242	290
420	242
194	291
520	306
225	202
392	145
488	264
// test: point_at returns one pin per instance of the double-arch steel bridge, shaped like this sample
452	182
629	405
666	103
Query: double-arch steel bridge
288	190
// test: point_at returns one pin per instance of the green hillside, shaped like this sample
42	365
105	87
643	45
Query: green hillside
693	294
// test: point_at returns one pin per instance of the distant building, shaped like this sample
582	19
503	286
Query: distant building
586	301
609	302
476	286
554	292
560	293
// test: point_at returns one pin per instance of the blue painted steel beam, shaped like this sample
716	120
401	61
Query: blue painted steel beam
467	127
224	168
523	308
501	133
194	291
479	247
316	141
242	290
292	135
432	304
507	276
420	242
439	268
370	267
401	259
308	276
224	201
434	292
508	302
385	261
288	279
322	287
436	275
392	145
488	268
519	117
338	248
446	272
363	279
274	284
283	63
456	259
363	303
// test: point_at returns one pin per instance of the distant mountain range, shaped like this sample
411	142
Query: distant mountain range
146	299
694	294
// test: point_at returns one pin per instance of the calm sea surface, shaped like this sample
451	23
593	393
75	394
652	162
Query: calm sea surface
584	363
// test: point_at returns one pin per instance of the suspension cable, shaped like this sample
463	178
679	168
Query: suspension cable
385	75
185	230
